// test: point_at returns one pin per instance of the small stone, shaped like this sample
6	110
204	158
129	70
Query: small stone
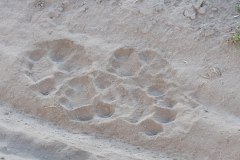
113	3
52	14
190	13
177	28
65	4
135	10
84	9
208	32
60	9
145	30
214	9
99	1
211	16
169	23
198	4
158	8
227	30
58	15
163	40
154	22
202	10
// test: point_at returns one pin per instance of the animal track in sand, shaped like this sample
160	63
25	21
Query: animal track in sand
123	54
141	98
59	77
148	88
36	55
153	62
147	56
150	127
57	59
104	110
124	62
152	123
103	80
156	90
46	86
60	50
89	112
168	102
36	67
133	86
83	113
80	92
76	62
164	115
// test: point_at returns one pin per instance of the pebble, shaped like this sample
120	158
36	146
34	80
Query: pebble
99	1
84	9
145	30
65	4
198	4
163	40
158	8
60	9
177	28
169	23
190	13
208	32
211	16
227	29
202	10
154	22
214	9
135	10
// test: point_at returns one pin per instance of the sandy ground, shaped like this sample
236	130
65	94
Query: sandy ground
111	79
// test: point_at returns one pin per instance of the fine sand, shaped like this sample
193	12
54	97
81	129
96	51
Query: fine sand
112	79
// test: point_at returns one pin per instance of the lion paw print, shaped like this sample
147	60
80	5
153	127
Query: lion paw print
143	88
132	87
51	62
98	109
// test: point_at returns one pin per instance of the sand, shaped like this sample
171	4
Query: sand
111	79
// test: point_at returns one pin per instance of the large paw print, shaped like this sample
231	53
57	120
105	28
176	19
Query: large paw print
154	63
132	87
143	89
51	62
124	62
80	91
